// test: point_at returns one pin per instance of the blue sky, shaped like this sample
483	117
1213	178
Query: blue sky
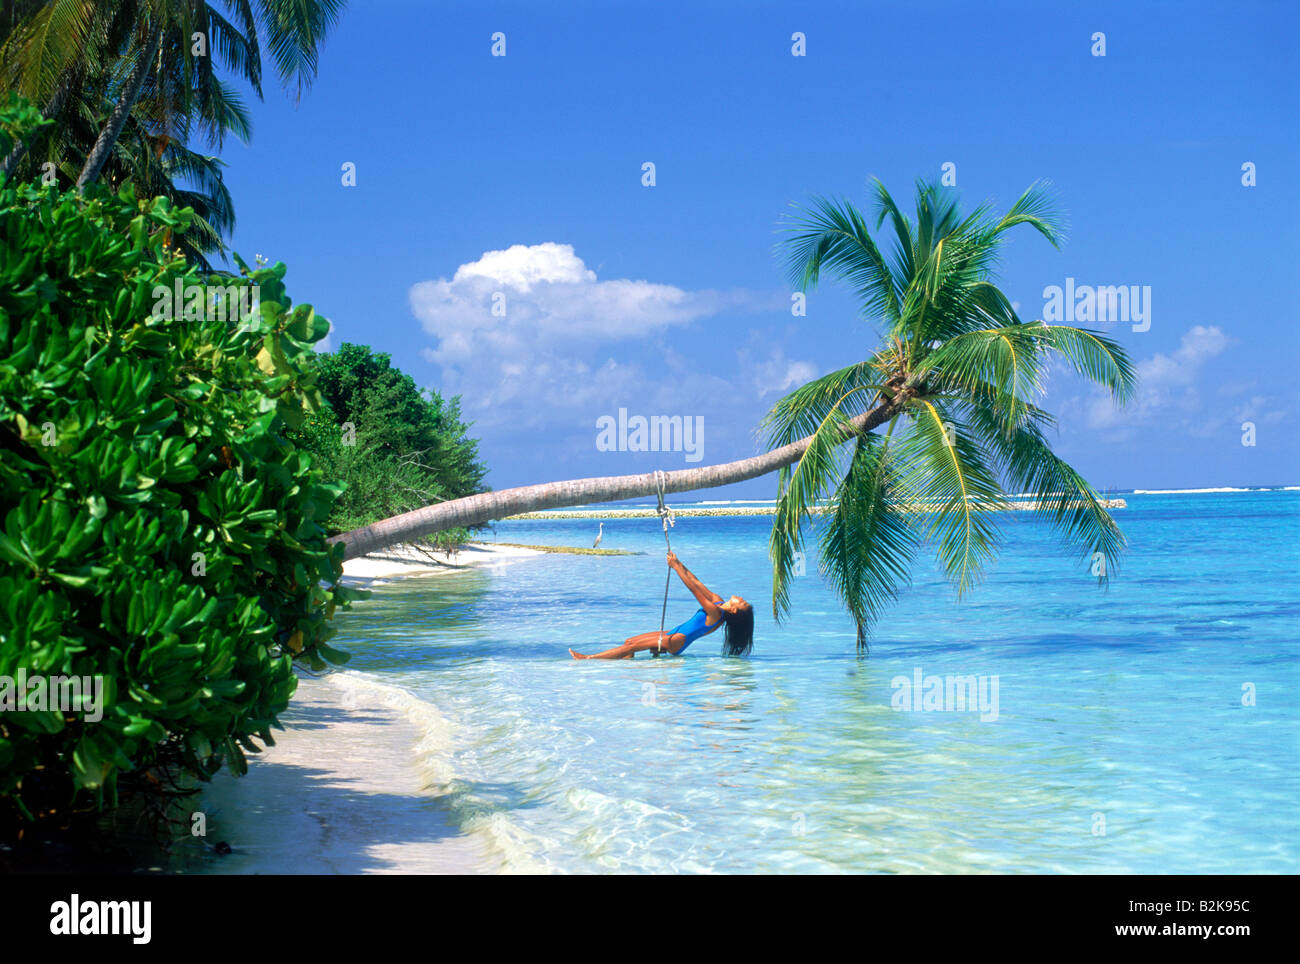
522	175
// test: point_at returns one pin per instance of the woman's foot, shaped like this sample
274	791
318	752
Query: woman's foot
578	655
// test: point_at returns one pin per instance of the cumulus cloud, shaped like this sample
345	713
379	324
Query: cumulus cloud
530	328
508	301
778	374
1167	383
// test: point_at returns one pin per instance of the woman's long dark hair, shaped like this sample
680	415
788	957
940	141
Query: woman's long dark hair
738	633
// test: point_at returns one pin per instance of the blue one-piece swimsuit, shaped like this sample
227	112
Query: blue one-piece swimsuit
695	627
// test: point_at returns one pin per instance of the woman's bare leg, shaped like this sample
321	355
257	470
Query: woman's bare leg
635	644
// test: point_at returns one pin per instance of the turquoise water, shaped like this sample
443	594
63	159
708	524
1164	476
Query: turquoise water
1120	744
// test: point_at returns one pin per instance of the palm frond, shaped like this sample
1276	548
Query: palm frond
1093	355
1036	207
800	489
834	238
849	390
294	31
904	252
1002	365
867	544
236	47
1060	493
944	470
45	47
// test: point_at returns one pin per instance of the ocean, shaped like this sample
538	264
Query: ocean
1040	725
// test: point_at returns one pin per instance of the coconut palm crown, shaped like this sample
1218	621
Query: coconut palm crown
952	385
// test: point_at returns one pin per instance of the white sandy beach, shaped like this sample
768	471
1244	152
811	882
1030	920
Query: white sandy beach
341	779
402	561
350	769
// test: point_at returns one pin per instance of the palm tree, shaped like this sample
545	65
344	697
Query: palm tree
155	164
953	380
162	46
162	167
49	52
141	53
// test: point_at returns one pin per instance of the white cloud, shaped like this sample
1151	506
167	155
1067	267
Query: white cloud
522	266
545	349
779	373
1167	384
547	295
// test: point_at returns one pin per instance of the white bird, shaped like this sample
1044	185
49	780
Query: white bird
599	535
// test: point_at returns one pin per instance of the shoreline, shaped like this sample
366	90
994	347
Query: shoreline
345	789
402	561
1015	506
341	792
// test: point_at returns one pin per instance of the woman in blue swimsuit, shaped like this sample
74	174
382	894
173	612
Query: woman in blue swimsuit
736	614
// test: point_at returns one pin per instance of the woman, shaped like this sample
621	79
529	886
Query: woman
736	614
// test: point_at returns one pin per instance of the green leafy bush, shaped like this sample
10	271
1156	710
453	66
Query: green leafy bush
157	526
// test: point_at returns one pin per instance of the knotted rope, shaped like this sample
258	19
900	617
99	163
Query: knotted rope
666	516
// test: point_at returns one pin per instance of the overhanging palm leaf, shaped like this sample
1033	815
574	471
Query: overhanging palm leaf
946	474
867	546
1037	209
1001	366
956	378
836	239
1072	506
1093	355
851	390
800	489
46	41
294	32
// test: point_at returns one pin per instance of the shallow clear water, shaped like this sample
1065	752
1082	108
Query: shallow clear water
1120	744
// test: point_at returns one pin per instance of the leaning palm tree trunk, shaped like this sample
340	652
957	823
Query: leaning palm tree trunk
20	148
478	509
126	102
10	163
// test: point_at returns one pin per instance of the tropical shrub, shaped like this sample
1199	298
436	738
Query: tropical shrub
159	530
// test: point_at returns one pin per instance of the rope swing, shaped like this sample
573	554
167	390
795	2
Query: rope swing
666	516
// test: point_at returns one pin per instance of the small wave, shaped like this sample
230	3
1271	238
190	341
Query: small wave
517	847
434	747
1226	488
433	752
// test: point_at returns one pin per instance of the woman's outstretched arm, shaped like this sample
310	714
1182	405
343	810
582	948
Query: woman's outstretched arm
698	589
